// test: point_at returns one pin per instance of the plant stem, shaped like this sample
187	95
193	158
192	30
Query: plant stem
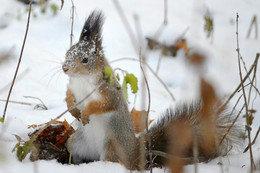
20	59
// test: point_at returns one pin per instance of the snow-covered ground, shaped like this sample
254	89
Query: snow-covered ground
49	38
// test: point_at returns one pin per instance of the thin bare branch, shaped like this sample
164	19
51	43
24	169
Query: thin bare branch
244	79
138	30
254	21
126	24
72	22
17	102
244	94
147	116
253	142
20	59
42	106
165	21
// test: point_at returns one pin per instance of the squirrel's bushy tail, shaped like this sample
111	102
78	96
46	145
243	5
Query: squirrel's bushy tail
184	133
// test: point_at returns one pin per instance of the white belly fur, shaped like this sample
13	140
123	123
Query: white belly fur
89	139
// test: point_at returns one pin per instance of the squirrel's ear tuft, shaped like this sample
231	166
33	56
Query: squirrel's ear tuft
93	26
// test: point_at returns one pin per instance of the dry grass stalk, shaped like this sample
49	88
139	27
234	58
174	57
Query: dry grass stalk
243	81
126	24
244	94
146	114
253	142
72	22
253	22
20	58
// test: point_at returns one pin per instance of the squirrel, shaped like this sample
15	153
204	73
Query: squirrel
105	128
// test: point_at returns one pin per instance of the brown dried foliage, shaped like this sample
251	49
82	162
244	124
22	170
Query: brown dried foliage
139	118
171	49
196	59
50	143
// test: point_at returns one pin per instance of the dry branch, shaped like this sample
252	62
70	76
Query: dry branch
244	79
72	22
245	99
147	116
21	54
253	142
126	24
254	21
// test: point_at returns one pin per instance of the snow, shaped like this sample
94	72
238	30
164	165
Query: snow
49	39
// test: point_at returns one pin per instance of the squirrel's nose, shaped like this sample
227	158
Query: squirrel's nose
65	68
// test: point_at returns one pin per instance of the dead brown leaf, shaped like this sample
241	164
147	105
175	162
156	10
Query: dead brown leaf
50	143
139	118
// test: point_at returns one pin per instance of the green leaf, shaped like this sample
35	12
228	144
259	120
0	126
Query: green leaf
2	120
23	148
124	87
132	80
19	153
43	10
54	8
109	73
208	25
117	76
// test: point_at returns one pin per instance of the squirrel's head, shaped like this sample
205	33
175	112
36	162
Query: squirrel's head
86	56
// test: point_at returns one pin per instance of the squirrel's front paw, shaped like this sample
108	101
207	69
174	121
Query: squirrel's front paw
85	121
84	118
76	113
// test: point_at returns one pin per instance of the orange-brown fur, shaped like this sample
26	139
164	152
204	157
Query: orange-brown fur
70	103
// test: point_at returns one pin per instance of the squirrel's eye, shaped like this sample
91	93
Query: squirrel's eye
84	61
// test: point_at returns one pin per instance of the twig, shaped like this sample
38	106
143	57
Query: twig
254	21
126	24
245	78
138	30
62	3
244	94
17	102
158	64
167	156
165	21
147	116
43	106
253	142
21	54
252	85
231	125
159	79
72	22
